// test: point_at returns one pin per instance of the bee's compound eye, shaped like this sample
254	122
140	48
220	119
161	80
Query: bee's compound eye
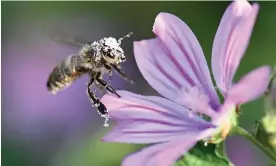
109	53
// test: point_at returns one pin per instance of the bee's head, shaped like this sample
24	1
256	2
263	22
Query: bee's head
113	52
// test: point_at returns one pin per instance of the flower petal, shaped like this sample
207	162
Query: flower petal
231	41
165	154
250	86
174	59
149	119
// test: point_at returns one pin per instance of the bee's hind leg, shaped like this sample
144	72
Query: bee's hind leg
108	87
109	70
97	103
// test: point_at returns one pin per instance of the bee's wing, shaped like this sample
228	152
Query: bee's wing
71	41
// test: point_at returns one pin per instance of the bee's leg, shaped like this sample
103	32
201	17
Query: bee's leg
108	87
109	75
123	75
97	103
109	69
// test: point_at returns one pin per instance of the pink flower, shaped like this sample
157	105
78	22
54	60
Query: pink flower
174	65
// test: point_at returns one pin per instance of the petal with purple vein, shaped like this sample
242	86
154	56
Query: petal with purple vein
182	47
165	154
145	119
231	41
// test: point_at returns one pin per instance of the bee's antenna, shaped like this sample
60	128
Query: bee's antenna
126	36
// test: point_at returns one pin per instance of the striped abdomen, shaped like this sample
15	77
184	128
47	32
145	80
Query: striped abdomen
66	72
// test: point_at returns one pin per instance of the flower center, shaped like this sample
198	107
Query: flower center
226	120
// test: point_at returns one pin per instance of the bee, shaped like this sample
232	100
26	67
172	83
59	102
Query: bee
94	59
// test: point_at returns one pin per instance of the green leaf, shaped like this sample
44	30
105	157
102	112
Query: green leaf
201	155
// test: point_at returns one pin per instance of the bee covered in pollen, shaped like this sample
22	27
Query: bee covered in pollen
94	59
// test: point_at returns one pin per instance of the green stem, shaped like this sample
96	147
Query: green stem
240	131
221	152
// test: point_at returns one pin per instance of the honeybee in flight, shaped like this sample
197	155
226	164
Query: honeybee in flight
95	59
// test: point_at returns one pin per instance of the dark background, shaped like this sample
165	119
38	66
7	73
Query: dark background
39	129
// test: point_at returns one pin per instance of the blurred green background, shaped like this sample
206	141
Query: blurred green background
39	129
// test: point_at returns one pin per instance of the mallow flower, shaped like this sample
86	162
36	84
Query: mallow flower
173	63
